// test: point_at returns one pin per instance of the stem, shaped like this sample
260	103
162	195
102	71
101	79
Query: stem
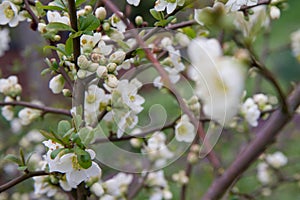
265	137
21	178
260	2
73	20
45	109
35	19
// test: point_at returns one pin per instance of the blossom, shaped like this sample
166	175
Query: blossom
10	86
28	115
295	44
54	16
184	130
277	159
251	111
180	177
88	42
97	189
158	185
133	2
9	14
161	5
235	5
57	84
263	173
4	41
117	185
117	22
75	174
43	186
213	72
274	12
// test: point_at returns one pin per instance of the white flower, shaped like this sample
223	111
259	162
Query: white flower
129	94
65	185
129	120
133	2
54	16
112	81
156	179
274	12
97	189
16	125
28	115
57	84
295	43
117	57
100	13
10	86
212	72
117	185
235	5
75	174
263	173
251	111
277	159
118	23
180	177
88	42
43	186
161	5
8	112
107	197
4	41
184	130
9	14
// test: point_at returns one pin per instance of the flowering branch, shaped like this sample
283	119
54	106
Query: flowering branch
260	2
45	109
265	137
20	179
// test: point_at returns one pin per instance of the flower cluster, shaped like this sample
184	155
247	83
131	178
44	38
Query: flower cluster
159	186
252	108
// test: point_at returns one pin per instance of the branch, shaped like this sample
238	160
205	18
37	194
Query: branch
35	19
265	137
21	178
181	24
45	109
73	19
260	2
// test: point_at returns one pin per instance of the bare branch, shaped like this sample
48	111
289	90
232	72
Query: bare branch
45	109
265	137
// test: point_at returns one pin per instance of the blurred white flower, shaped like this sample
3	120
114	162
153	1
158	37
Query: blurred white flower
28	115
251	112
235	5
8	112
117	185
274	12
295	43
184	130
263	173
180	177
43	186
161	5
212	72
10	86
277	159
97	189
4	40
133	2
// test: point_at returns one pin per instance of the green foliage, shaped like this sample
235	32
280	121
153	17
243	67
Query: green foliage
88	23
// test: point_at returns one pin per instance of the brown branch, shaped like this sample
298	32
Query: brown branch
21	178
260	2
265	137
35	19
181	24
45	109
73	19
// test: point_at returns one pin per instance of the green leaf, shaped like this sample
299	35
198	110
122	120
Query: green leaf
76	34
69	46
54	48
83	158
13	158
57	8
22	168
51	136
28	157
66	136
157	15
77	122
54	153
63	127
86	136
59	26
22	157
88	23
79	2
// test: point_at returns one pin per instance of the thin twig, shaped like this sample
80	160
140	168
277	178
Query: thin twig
45	109
260	2
20	179
35	19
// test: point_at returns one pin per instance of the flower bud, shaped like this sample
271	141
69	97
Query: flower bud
117	57
42	28
93	67
100	13
81	74
274	12
67	92
112	81
111	67
101	71
106	26
83	62
56	38
57	84
136	143
88	9
139	20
